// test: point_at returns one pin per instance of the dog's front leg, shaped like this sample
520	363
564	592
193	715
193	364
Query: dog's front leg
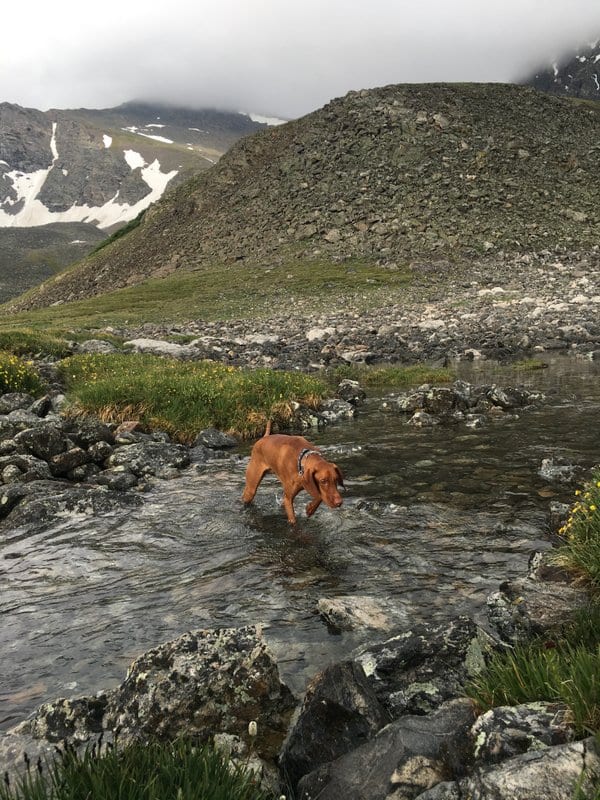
312	506
288	504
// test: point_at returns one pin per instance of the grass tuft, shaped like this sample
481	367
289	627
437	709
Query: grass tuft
155	771
393	375
25	342
566	671
185	397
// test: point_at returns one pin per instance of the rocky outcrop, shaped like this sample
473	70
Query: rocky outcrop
461	402
50	464
205	683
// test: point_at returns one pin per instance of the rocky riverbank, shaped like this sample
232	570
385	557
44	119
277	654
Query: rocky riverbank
391	723
509	309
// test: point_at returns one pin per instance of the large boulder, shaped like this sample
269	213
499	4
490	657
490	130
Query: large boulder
415	671
340	712
405	758
553	773
204	682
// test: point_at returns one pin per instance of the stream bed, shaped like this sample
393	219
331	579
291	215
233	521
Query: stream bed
433	520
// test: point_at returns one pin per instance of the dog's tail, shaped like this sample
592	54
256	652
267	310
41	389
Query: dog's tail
268	428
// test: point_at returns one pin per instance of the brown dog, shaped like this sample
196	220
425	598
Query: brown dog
298	465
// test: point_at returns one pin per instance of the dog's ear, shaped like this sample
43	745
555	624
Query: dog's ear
312	487
340	477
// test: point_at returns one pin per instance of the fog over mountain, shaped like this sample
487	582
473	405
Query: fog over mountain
271	57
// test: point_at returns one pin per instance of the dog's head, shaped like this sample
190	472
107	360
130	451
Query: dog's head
323	478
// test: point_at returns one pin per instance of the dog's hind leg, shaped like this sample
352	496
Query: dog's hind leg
255	472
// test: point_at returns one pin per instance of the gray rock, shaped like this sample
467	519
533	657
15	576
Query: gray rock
525	608
44	441
41	501
162	348
204	682
509	398
95	346
339	713
406	758
351	392
73	720
552	773
117	479
336	410
353	611
417	670
65	462
151	458
215	439
559	473
12	401
88	431
508	731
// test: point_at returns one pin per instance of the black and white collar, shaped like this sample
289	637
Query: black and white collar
303	454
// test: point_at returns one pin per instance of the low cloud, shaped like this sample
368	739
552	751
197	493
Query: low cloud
270	56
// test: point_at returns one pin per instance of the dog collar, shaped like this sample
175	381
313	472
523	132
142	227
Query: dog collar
303	453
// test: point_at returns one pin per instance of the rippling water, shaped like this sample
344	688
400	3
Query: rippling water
433	520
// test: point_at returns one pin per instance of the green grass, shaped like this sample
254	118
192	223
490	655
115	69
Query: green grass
185	397
232	291
177	771
567	671
393	375
118	234
25	342
580	548
17	375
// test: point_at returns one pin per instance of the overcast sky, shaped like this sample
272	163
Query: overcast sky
274	57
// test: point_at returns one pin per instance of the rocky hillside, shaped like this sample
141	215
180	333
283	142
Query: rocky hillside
572	76
422	175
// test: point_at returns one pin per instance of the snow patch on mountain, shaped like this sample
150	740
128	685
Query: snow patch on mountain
29	211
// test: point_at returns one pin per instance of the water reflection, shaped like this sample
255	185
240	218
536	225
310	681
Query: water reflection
433	520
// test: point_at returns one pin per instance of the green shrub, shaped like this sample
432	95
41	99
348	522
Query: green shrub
18	376
580	551
177	771
184	397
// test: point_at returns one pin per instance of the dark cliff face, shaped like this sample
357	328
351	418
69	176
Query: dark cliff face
393	175
95	157
572	76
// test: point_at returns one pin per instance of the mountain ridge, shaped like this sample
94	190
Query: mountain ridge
395	175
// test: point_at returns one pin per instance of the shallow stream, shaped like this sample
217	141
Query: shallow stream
433	520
